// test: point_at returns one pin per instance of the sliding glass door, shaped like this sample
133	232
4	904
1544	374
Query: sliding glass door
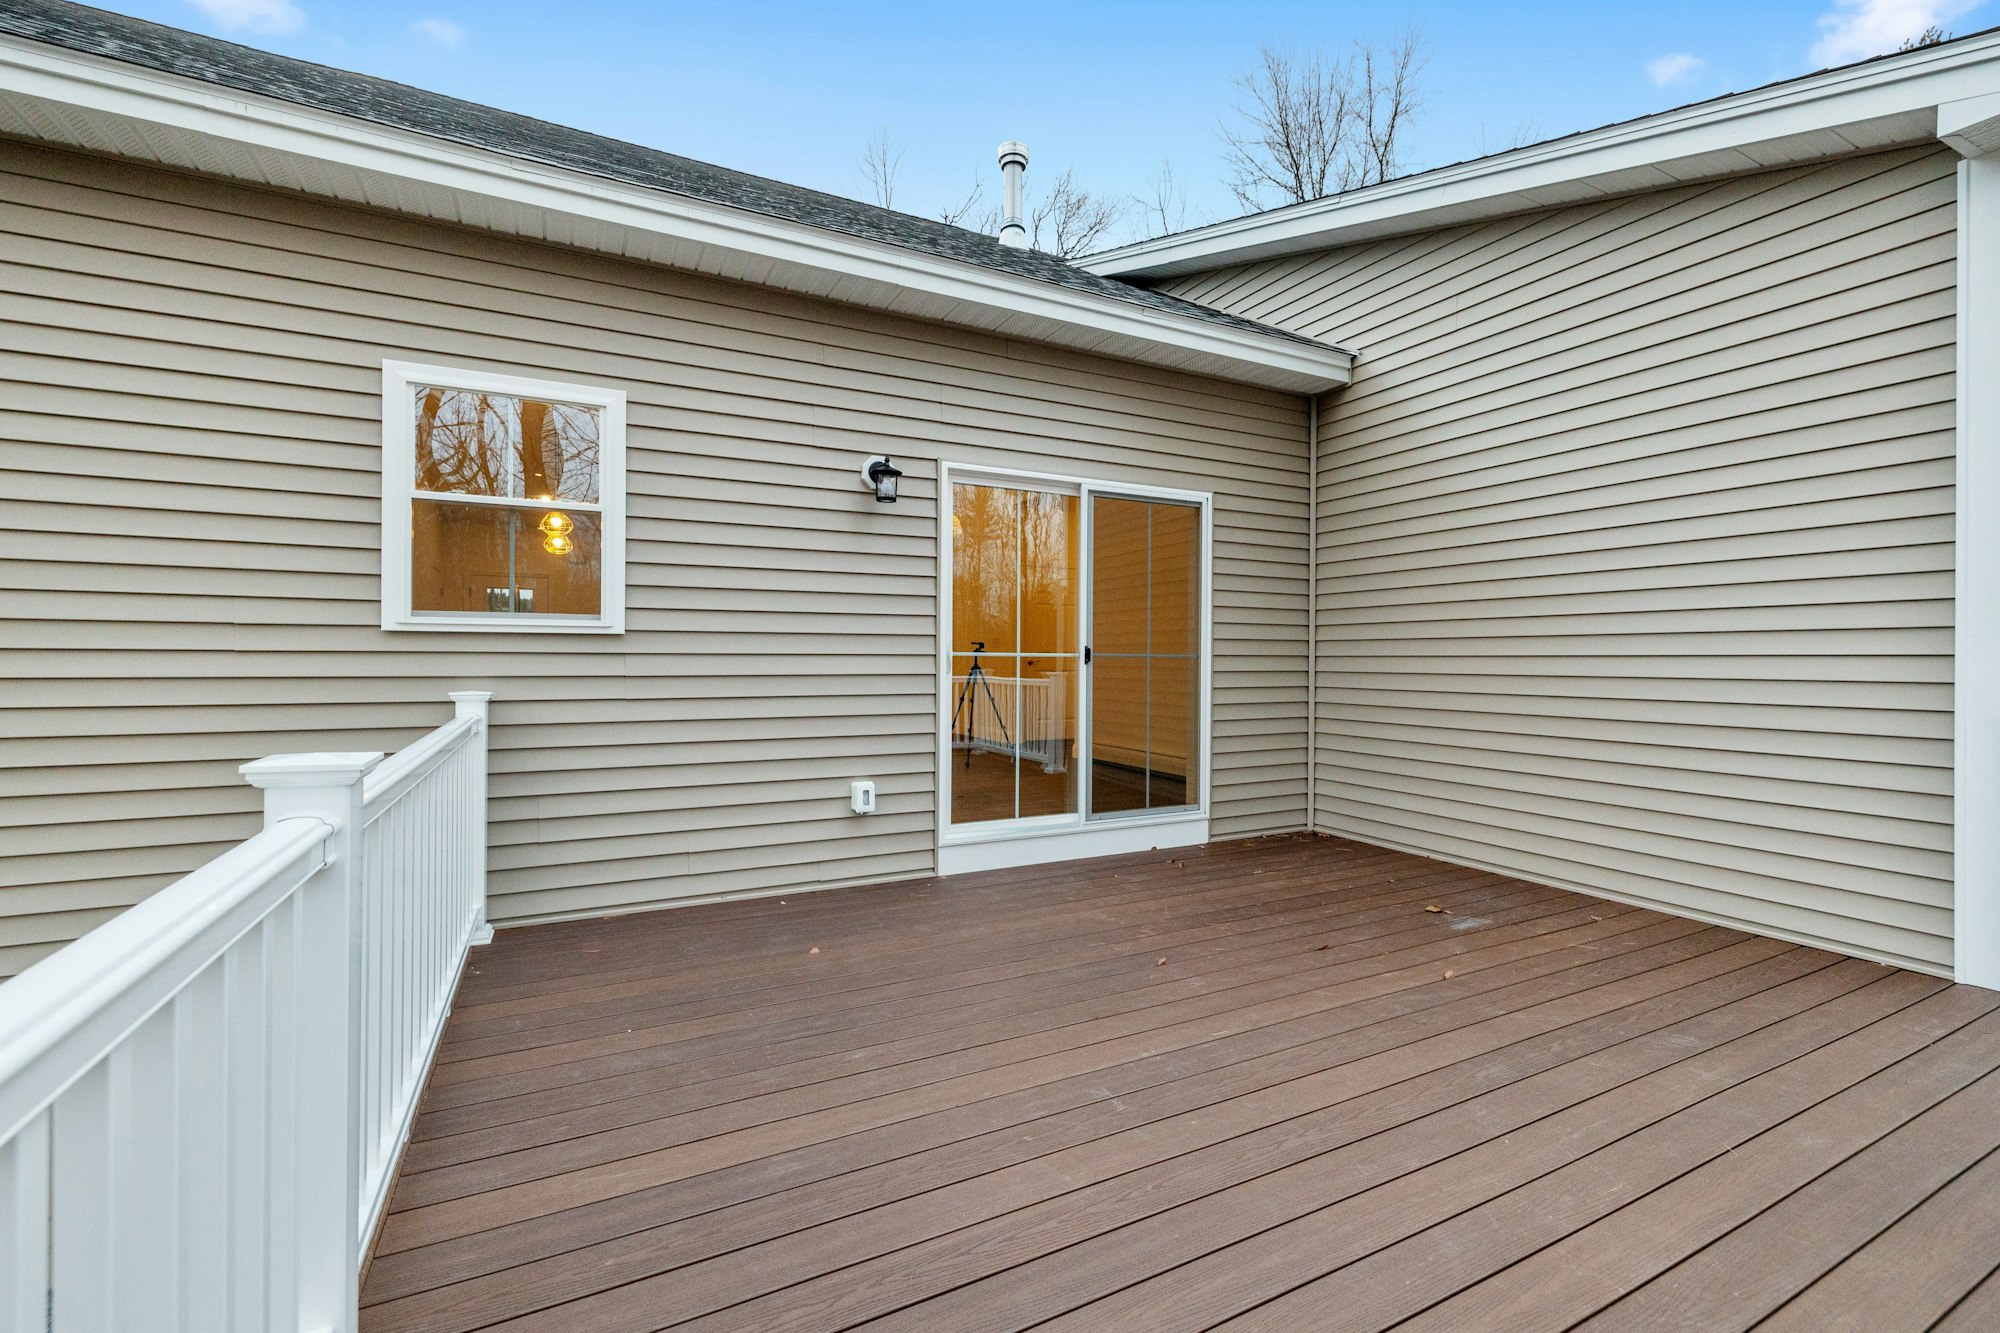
1047	726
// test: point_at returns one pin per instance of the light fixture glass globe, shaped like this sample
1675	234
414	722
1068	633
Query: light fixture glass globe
880	474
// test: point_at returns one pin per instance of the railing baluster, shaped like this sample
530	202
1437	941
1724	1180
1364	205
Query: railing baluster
84	1199
24	1229
247	1005
282	1103
409	845
206	1114
146	1166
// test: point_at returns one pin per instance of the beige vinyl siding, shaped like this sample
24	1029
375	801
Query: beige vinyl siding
190	436
1636	552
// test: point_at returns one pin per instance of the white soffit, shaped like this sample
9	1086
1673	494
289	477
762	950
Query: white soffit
103	106
1880	104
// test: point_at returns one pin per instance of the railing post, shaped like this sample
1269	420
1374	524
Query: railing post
327	1117
478	703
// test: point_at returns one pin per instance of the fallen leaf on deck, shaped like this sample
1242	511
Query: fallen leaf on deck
1161	963
1322	948
1433	908
814	949
1449	975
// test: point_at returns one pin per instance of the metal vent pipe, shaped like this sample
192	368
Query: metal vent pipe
1013	162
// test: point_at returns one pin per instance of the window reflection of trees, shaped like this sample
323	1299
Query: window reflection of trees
1048	562
472	443
985	566
1014	560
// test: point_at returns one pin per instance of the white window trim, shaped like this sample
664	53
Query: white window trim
1052	838
399	470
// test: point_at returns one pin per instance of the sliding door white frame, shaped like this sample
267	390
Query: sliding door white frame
1065	837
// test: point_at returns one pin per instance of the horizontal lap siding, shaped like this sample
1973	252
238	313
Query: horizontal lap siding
1636	545
189	411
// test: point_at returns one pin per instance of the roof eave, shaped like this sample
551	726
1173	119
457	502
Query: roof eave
97	105
1857	108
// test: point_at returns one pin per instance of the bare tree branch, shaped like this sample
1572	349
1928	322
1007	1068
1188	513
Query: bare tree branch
1486	141
1390	96
879	163
1069	220
956	214
1297	122
1163	209
1312	123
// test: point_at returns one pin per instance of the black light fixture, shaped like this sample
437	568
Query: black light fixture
879	475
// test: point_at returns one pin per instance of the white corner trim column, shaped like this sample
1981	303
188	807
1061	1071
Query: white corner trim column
1312	614
1972	127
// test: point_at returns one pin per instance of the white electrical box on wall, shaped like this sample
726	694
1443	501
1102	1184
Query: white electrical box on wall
863	798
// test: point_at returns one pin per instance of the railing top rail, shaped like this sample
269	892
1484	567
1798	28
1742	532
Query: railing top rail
389	780
58	1017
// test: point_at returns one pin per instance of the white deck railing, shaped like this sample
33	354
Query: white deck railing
202	1101
422	899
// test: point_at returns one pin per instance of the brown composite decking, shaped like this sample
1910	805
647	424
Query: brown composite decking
1256	1085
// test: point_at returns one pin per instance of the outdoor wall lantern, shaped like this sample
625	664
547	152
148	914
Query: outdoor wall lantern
879	475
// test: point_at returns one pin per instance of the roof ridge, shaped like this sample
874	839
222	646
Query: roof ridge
400	106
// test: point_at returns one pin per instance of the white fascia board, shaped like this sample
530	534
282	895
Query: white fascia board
1873	105
1970	127
101	105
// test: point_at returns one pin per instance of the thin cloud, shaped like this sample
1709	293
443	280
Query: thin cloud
442	31
269	16
1858	29
1677	68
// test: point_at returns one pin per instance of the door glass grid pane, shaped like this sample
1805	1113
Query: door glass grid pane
1015	586
1146	643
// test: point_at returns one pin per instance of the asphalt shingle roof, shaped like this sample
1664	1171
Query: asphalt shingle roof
379	101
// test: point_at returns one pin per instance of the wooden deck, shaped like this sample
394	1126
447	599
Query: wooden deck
1256	1086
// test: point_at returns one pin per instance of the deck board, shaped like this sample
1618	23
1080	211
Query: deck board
1255	1084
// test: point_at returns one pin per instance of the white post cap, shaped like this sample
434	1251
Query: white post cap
309	770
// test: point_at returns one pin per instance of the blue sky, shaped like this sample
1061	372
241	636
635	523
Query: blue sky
797	91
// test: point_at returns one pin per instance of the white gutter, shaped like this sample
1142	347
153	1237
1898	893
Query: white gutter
54	95
1859	107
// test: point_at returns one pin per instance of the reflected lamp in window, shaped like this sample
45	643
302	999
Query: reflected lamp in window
503	503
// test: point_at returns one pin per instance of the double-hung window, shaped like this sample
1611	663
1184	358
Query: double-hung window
503	503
